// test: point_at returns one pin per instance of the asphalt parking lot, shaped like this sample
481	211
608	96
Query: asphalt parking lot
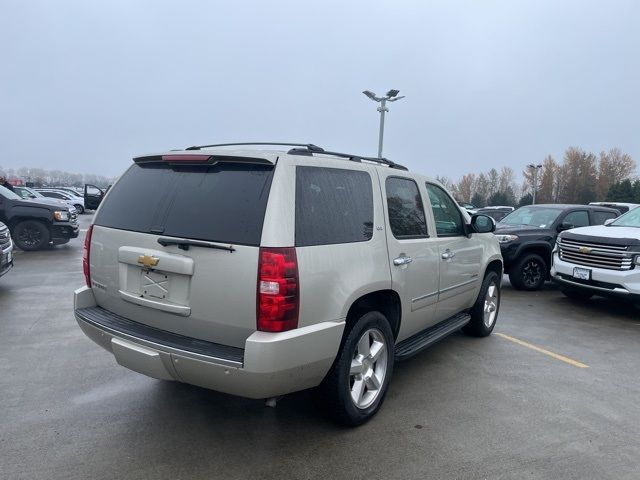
554	393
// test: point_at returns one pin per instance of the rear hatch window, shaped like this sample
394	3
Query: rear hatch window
224	202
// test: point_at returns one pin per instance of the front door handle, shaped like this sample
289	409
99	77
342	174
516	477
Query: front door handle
402	260
448	254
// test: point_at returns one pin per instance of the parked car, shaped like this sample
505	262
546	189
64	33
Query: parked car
77	202
497	213
359	263
70	190
620	206
600	260
6	250
28	193
36	224
527	237
469	207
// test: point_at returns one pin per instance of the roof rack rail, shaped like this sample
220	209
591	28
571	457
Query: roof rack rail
309	146
308	149
349	156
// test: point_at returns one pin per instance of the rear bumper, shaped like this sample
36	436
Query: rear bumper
271	364
604	282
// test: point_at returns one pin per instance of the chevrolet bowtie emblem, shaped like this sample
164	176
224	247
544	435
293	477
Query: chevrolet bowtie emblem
148	261
584	250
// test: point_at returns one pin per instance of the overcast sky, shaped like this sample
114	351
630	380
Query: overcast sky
84	86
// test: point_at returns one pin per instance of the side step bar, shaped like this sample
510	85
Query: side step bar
424	339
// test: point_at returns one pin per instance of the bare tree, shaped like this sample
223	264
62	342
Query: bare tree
614	166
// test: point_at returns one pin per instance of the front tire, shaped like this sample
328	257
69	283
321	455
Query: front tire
31	235
355	387
529	273
484	312
80	209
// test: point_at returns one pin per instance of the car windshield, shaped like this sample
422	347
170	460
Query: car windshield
629	219
541	217
6	193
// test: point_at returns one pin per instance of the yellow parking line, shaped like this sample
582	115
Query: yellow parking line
557	356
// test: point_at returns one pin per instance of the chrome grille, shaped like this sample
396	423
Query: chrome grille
74	217
5	238
611	257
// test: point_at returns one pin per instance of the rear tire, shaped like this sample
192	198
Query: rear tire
31	235
576	294
355	387
529	273
484	312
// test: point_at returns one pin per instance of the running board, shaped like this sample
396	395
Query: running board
424	339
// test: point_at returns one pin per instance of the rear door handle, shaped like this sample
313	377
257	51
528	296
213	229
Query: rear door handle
448	254
402	260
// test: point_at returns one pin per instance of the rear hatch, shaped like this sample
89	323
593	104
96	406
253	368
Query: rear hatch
175	244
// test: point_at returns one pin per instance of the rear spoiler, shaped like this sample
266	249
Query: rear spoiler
198	158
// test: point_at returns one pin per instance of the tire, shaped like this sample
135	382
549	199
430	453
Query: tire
484	312
529	273
576	294
31	235
80	209
339	394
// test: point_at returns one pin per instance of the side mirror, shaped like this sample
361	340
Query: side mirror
609	221
565	226
482	223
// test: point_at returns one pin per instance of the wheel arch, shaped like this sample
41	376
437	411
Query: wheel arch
542	248
386	302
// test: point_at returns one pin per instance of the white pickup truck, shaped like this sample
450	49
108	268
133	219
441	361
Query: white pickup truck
600	260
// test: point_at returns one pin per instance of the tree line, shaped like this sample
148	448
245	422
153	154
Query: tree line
579	177
626	191
56	178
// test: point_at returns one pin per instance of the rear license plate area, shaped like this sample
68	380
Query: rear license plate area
154	284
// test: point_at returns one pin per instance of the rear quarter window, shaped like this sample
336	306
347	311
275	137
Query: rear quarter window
599	217
333	205
225	202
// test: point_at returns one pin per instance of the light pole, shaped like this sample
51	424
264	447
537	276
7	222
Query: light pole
535	169
391	96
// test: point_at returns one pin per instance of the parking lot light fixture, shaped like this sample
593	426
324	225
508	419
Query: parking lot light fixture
535	169
391	96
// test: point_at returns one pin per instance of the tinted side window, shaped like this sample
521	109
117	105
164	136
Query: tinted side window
600	217
406	212
52	195
445	212
224	202
333	205
577	219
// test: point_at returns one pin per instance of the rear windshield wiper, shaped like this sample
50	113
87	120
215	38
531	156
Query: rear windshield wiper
184	244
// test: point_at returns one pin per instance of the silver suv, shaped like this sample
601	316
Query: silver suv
259	272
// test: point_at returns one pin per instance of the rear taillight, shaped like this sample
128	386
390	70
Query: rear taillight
86	251
278	290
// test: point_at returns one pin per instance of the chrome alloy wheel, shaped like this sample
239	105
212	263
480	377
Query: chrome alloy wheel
491	303
368	368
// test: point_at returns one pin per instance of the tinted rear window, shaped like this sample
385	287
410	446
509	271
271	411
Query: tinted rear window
220	203
333	206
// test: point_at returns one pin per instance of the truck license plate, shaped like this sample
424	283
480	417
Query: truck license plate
581	273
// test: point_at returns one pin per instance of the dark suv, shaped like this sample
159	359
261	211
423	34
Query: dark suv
37	224
527	237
